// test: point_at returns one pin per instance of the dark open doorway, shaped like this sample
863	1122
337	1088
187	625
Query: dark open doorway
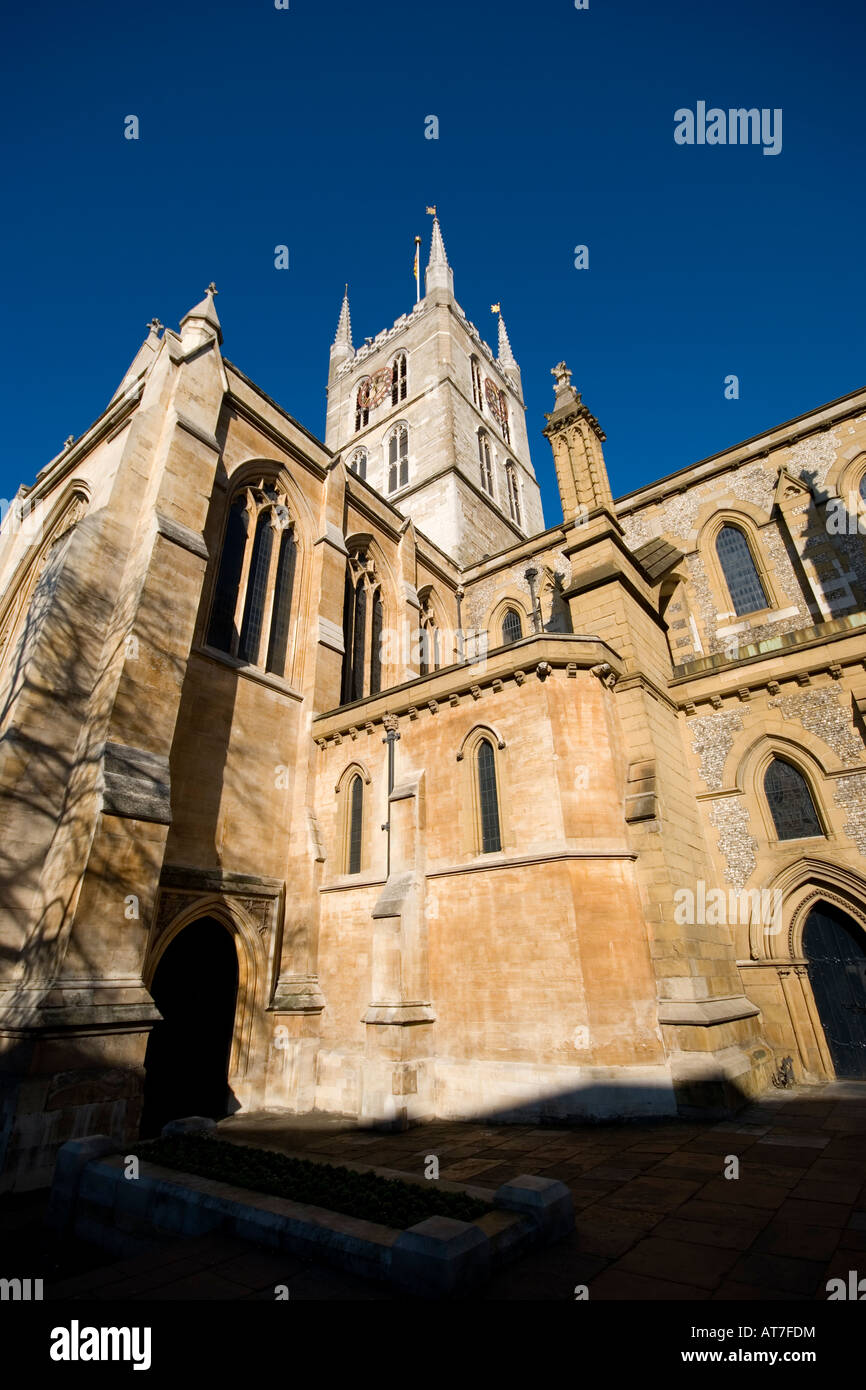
835	947
186	1064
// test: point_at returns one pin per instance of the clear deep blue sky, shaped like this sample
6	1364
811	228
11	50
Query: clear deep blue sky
306	127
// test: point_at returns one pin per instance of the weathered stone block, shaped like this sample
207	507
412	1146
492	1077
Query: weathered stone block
441	1256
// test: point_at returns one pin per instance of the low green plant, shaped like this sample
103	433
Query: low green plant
387	1201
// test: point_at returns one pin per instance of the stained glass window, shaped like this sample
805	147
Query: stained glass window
512	628
741	573
356	817
790	802
488	799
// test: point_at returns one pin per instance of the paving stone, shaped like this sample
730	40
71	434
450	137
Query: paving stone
623	1285
728	1235
801	1242
815	1213
778	1272
702	1266
751	1293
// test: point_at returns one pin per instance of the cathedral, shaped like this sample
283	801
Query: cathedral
334	778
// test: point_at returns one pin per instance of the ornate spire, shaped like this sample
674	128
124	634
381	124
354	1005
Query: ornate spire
344	324
438	274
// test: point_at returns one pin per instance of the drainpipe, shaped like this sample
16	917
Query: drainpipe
530	576
392	734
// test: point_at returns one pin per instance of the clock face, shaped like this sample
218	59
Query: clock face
494	401
374	391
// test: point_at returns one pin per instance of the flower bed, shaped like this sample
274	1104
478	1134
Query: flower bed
387	1201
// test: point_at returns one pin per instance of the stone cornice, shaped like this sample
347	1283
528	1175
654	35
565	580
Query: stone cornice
482	864
534	658
800	663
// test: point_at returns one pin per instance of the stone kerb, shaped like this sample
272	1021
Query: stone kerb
93	1198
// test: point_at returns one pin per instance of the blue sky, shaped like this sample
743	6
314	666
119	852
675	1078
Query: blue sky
305	126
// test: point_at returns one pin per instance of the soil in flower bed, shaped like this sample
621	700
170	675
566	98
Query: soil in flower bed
366	1195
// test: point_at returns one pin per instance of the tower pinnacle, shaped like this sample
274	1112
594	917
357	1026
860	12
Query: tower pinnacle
438	275
506	357
576	438
341	348
343	337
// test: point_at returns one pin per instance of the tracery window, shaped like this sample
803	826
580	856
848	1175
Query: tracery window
398	379
790	802
252	602
512	627
358	463
488	798
486	462
740	571
363	614
513	492
398	457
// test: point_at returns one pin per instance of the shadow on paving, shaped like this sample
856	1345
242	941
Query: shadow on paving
655	1215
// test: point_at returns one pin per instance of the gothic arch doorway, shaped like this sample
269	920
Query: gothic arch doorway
195	988
835	947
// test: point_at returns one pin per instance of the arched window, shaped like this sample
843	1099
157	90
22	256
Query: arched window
251	610
28	593
363	617
488	799
362	405
398	379
512	627
740	571
398	458
358	463
863	488
503	417
486	463
477	393
790	802
355	825
513	492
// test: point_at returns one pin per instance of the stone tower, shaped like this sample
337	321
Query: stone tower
433	420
